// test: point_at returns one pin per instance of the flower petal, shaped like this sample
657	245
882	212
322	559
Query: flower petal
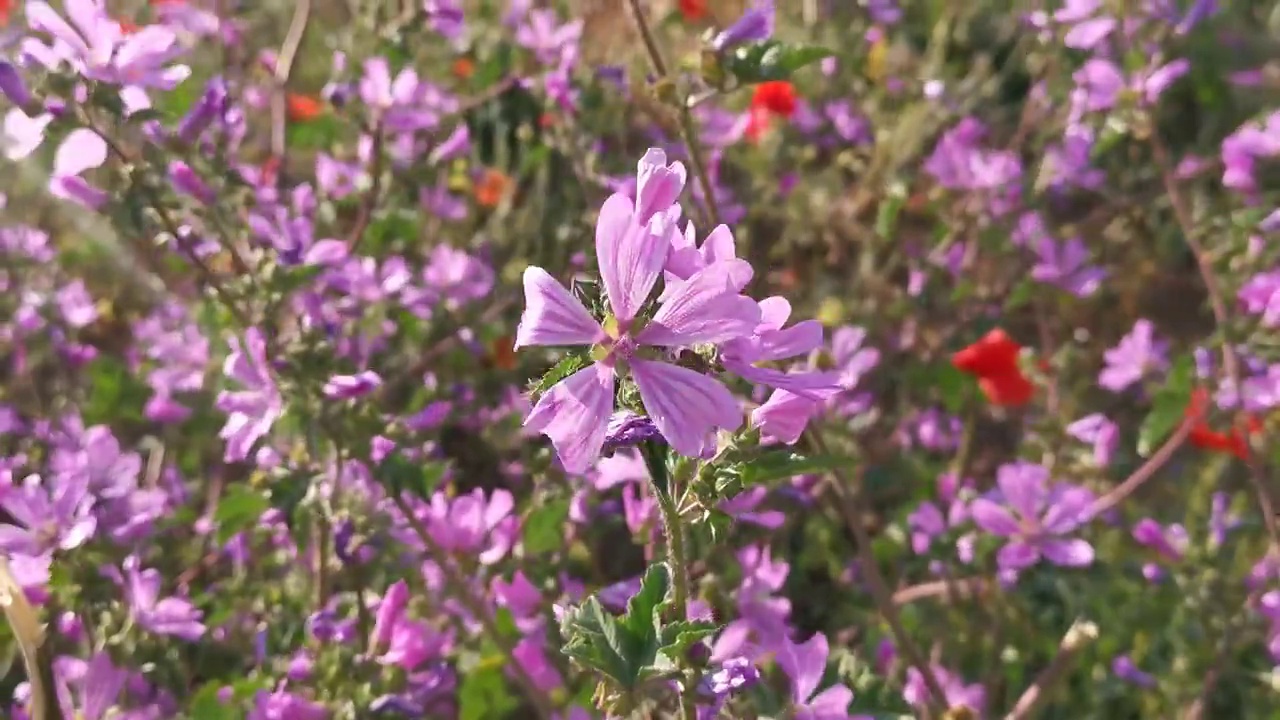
804	663
686	406
574	414
658	185
1024	486
1017	555
1071	553
630	255
705	309
993	518
82	150
552	316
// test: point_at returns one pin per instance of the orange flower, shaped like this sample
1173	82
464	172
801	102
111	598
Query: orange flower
994	361
491	187
463	68
776	96
302	108
693	10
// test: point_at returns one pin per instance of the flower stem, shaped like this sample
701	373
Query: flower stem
851	508
688	127
664	490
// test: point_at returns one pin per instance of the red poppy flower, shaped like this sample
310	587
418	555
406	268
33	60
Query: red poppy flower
994	354
776	96
994	361
1203	436
129	28
302	108
463	68
693	10
490	187
6	9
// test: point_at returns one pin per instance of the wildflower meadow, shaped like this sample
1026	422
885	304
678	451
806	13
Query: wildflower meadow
691	359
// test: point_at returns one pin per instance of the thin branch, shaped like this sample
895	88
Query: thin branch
1218	303
283	70
1078	637
1144	473
851	508
688	126
951	589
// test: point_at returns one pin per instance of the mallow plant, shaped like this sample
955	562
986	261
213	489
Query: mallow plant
638	359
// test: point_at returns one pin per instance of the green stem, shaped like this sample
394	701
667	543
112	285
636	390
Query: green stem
679	563
688	127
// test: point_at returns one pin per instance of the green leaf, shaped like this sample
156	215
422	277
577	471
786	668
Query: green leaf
563	369
786	464
239	508
771	60
544	527
206	705
1168	407
624	648
678	637
641	619
484	694
593	638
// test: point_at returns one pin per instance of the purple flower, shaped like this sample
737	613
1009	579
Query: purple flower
1125	669
805	664
81	150
49	516
173	615
756	24
446	17
1088	28
1065	265
627	429
22	134
99	49
399	103
88	690
1035	518
1260	295
549	41
957	693
1169	542
686	406
474	524
346	387
253	410
1101	432
284	705
1138	353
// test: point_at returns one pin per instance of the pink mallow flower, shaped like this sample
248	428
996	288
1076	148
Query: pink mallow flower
633	241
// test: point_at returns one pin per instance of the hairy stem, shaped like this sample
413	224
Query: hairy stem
688	126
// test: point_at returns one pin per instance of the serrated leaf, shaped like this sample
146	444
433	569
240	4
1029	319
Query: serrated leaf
785	464
678	637
1168	406
641	617
544	527
593	638
569	365
238	509
771	60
